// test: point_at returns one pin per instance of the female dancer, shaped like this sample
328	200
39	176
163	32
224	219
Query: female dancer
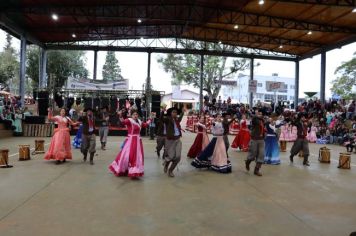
311	136
130	159
201	140
60	148
271	144
244	136
284	137
236	128
214	155
77	141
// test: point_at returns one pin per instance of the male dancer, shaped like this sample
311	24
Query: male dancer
257	143
103	121
88	136
226	124
173	142
301	143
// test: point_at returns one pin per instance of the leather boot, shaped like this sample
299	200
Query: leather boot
104	145
257	169
291	158
247	164
92	158
85	156
305	161
166	164
171	168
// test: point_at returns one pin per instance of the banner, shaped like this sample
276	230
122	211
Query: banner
252	86
272	86
85	84
226	82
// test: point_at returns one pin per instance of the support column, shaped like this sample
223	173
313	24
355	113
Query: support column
322	76
22	69
251	78
296	84
201	105
148	86
43	69
95	64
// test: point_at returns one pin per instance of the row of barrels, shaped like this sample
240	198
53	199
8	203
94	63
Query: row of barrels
38	130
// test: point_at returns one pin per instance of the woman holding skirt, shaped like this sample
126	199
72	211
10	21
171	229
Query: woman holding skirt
60	148
130	160
77	141
271	144
201	140
214	155
243	138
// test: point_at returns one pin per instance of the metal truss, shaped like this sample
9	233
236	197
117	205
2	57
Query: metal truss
123	93
171	45
339	3
185	13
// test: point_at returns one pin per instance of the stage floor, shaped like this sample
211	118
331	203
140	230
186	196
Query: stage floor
40	198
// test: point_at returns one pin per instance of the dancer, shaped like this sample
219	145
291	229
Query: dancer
271	143
236	126
301	143
130	160
311	136
161	134
60	148
257	144
77	141
284	137
214	155
201	140
173	142
88	135
244	137
103	120
226	125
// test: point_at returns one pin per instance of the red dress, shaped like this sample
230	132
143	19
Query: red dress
242	140
200	142
130	159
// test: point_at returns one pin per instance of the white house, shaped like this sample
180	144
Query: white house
184	98
240	93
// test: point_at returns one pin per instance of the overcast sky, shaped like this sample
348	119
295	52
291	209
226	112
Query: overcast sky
134	67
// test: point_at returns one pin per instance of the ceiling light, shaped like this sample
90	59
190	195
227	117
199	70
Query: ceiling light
280	46
139	21
74	36
310	32
354	10
220	42
54	16
261	2
236	27
142	38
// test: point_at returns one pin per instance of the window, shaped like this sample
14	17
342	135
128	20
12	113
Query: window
282	97
292	87
259	84
269	97
291	98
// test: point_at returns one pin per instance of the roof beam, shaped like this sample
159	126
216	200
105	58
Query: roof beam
335	3
199	15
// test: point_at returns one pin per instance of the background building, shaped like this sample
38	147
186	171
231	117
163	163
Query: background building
240	93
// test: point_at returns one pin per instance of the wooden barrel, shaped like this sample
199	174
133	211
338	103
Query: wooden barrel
24	152
345	161
283	146
4	157
39	146
324	155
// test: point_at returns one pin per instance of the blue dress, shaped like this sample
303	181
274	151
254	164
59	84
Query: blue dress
77	141
271	146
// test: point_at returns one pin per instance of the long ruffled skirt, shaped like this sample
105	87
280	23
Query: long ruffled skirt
60	148
130	160
77	141
200	142
272	151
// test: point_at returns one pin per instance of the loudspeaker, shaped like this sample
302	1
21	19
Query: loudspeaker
156	104
113	103
105	102
122	103
97	103
88	103
42	102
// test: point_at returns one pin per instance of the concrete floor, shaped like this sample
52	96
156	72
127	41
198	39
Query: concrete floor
40	198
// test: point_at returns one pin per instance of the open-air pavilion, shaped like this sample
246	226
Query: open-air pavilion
39	198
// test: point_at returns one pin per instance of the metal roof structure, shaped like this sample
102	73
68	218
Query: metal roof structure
290	30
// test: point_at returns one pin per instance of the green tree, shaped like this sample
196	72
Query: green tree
60	65
186	68
344	83
111	68
9	64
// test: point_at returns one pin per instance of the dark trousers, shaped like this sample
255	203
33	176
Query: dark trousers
300	145
152	132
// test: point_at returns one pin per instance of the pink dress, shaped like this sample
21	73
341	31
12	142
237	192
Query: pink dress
294	134
312	135
284	133
200	142
130	159
60	148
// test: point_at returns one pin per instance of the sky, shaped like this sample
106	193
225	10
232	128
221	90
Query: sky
134	67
